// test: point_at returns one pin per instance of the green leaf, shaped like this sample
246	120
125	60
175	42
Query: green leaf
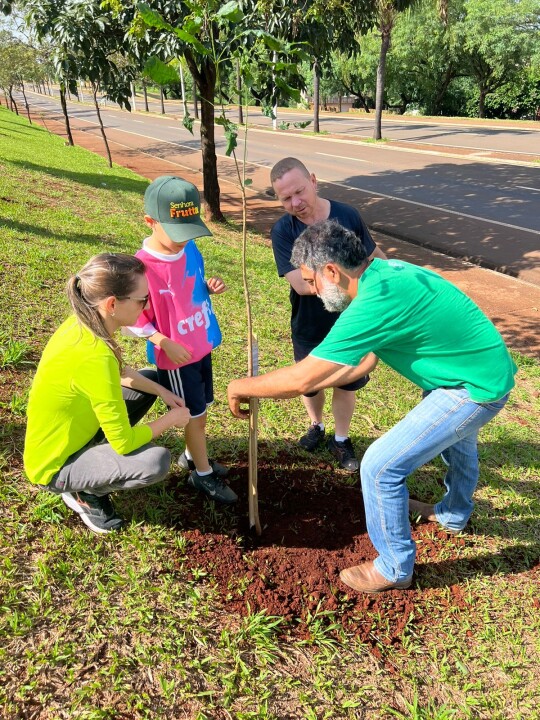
153	18
268	111
302	125
231	11
231	137
287	90
160	72
226	123
248	182
187	122
269	40
190	39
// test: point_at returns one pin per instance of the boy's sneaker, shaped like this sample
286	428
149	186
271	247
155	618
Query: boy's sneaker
313	438
344	454
188	464
213	486
97	513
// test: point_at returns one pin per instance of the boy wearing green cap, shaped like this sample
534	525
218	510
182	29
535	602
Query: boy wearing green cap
179	321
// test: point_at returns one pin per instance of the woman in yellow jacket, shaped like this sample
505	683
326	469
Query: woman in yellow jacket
82	440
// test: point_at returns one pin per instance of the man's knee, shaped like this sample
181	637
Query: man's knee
369	467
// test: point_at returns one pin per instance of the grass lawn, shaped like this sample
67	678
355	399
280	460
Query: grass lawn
138	624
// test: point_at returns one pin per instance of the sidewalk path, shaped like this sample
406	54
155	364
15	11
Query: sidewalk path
512	304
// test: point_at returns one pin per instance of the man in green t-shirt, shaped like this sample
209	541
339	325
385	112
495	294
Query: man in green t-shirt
426	329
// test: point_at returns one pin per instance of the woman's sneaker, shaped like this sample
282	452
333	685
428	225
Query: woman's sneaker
188	464
213	486
96	512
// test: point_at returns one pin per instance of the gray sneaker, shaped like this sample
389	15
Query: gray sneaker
96	512
213	486
188	464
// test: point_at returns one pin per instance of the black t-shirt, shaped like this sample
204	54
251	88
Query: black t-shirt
310	322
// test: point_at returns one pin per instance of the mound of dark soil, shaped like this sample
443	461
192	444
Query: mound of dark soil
313	526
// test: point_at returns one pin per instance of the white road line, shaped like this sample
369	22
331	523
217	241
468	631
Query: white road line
461	147
524	187
138	121
149	137
433	207
343	157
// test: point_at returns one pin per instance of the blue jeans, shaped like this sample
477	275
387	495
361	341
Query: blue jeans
446	421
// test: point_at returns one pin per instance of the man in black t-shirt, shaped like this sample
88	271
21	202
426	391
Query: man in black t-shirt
296	189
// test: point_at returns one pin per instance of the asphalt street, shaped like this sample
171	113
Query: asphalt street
458	201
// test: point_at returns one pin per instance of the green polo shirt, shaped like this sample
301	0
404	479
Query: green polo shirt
423	327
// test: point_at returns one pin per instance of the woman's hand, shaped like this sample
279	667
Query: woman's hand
170	399
179	416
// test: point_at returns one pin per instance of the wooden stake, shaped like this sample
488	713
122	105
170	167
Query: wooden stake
253	493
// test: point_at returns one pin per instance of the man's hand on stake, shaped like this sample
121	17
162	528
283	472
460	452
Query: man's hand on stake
236	399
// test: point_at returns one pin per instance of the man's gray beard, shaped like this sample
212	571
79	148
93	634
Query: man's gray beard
334	298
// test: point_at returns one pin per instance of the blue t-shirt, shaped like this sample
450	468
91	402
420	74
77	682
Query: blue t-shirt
310	322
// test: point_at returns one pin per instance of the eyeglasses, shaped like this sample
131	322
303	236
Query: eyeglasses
142	300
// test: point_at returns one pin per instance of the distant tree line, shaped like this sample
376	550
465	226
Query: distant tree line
435	57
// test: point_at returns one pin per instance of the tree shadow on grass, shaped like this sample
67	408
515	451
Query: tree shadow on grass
508	561
25	229
107	180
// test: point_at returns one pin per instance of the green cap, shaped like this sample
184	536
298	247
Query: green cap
176	204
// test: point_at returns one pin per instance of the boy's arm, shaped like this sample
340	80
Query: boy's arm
215	285
176	353
130	378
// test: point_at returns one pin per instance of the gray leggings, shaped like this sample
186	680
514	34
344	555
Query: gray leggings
99	470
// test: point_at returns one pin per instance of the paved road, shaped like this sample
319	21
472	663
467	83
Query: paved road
512	304
488	212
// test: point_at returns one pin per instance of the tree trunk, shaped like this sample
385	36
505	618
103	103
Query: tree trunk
205	78
386	31
102	129
316	98
161	97
14	107
239	90
145	96
133	96
66	116
195	99
183	88
448	77
482	103
26	103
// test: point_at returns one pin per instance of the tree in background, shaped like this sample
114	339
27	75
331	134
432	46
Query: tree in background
499	39
424	59
18	63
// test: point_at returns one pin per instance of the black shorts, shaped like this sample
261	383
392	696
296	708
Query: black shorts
191	382
302	351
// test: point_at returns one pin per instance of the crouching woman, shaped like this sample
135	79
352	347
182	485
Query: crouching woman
82	439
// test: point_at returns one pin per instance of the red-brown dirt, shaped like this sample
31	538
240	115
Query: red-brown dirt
313	526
